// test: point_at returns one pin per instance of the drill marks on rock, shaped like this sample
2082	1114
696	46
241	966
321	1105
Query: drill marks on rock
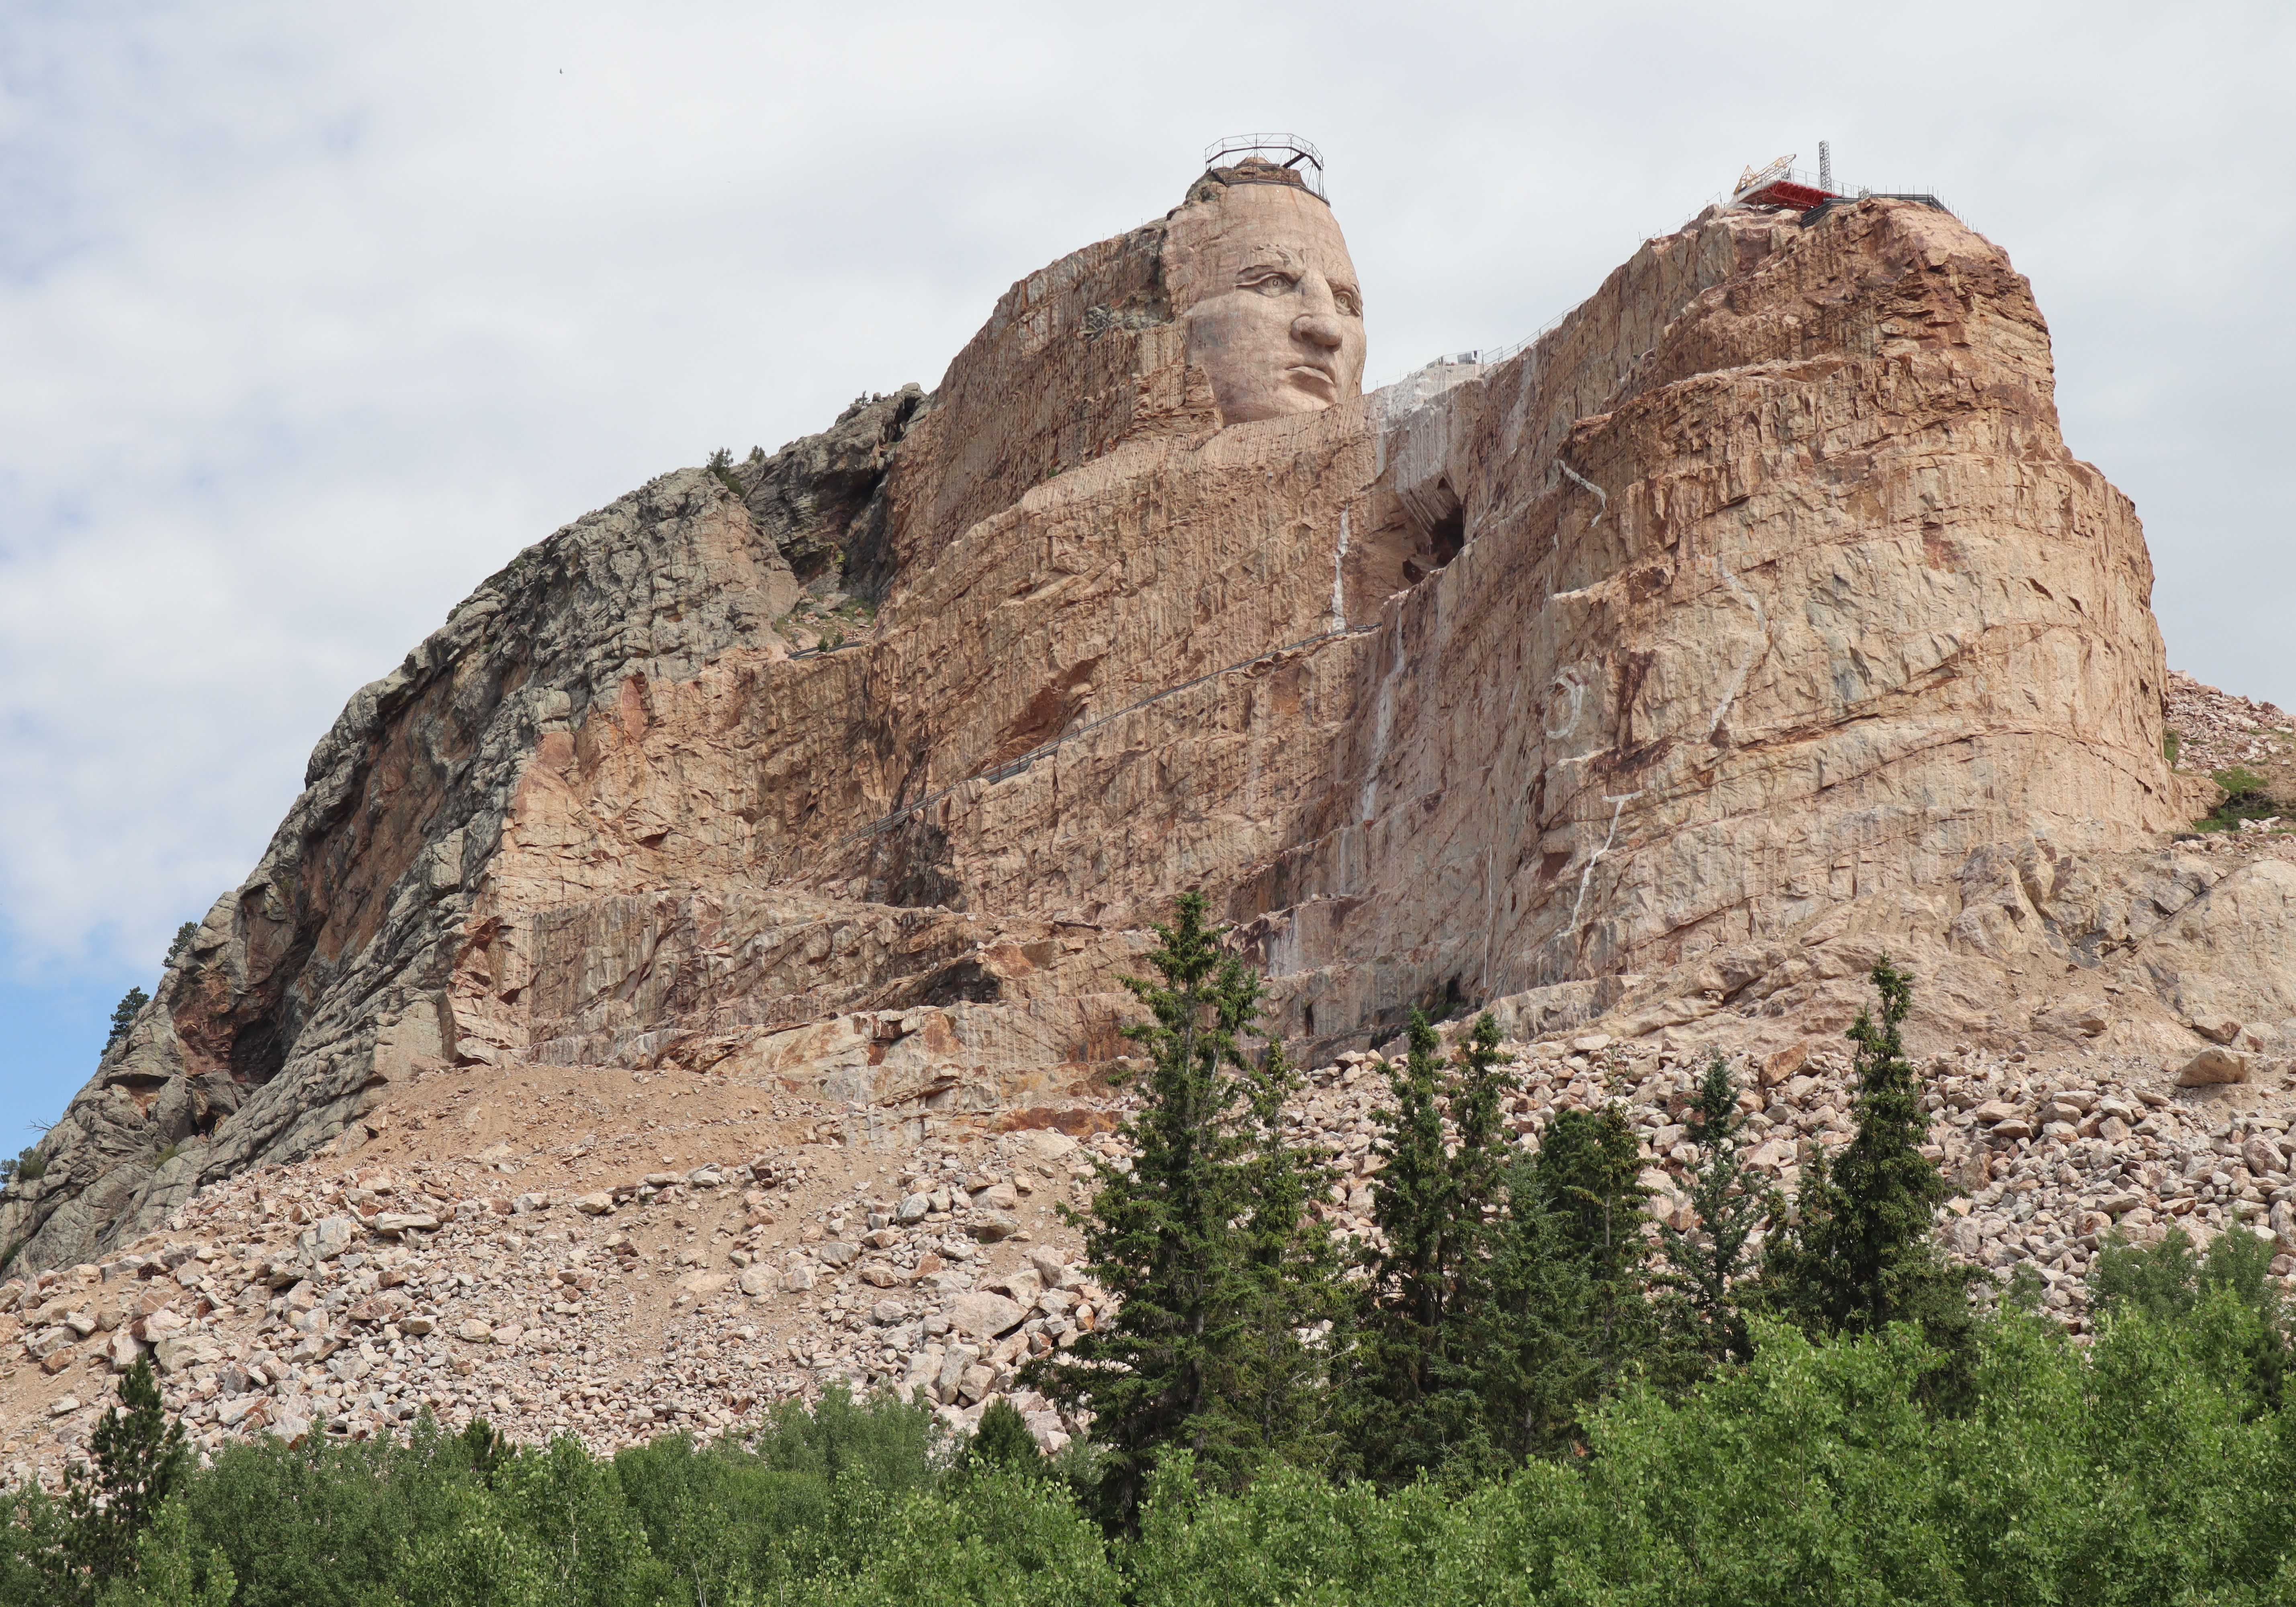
1383	723
1762	624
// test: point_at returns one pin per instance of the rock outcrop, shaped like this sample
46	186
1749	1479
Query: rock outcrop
1754	618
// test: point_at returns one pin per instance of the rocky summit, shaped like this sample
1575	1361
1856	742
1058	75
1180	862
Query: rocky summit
692	975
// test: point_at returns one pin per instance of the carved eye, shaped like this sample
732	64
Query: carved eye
1269	282
1350	303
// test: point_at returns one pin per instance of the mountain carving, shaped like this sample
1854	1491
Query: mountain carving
1754	619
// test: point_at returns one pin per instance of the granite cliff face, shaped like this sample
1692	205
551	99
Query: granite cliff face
1754	619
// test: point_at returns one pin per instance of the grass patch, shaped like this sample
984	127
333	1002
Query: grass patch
2244	799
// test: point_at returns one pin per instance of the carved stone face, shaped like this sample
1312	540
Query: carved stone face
1259	272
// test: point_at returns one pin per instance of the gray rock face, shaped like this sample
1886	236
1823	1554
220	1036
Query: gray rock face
324	976
817	498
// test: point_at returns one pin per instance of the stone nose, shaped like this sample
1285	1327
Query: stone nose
1320	325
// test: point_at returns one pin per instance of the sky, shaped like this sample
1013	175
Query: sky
312	315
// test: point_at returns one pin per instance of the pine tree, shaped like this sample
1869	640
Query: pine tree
1533	1354
1004	1442
1203	1242
140	1455
123	1017
1414	1381
1588	1178
1708	1259
1861	1252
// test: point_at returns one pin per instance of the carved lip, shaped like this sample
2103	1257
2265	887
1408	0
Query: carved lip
1316	377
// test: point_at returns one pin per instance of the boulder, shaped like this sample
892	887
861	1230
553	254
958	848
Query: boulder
177	1352
984	1316
2213	1067
1784	1064
395	1223
328	1237
1052	1269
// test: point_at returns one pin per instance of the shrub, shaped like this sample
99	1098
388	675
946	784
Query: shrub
2244	799
721	465
2251	1341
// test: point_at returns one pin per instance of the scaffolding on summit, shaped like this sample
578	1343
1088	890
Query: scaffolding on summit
1782	187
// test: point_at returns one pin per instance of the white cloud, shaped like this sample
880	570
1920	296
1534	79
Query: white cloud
312	315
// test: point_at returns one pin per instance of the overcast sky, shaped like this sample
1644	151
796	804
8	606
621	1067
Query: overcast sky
312	315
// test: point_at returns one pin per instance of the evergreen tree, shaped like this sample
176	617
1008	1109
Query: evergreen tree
139	1458
1706	1261
1415	1382
1531	1346
1003	1440
1587	1178
123	1017
1861	1252
1563	1314
1204	1243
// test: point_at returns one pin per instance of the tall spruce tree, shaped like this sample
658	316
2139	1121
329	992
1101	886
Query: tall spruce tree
1861	1252
139	1457
1414	1378
1562	1313
1707	1261
1206	1243
1587	1176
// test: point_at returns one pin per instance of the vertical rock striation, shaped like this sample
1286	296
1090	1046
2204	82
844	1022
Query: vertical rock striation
1761	588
